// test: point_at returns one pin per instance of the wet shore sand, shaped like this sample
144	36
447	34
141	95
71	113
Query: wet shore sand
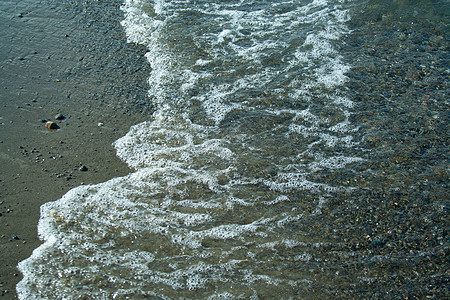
68	57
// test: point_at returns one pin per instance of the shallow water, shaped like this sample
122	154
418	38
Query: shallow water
261	173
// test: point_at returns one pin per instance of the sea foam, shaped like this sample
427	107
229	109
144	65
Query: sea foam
249	112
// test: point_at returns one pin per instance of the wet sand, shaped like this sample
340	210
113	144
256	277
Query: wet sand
70	58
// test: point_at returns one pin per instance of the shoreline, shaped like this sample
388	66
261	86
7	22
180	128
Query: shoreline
389	233
60	58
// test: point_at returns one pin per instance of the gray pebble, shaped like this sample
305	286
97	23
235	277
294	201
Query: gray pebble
59	117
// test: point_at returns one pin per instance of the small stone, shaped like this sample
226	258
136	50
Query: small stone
60	117
100	124
51	125
15	237
83	168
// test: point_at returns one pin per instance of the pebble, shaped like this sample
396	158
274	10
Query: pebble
59	117
51	125
83	168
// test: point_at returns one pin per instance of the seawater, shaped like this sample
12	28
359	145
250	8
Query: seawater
251	130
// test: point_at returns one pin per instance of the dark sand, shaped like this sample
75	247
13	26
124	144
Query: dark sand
60	57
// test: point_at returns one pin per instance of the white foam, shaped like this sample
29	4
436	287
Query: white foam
224	166
335	162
